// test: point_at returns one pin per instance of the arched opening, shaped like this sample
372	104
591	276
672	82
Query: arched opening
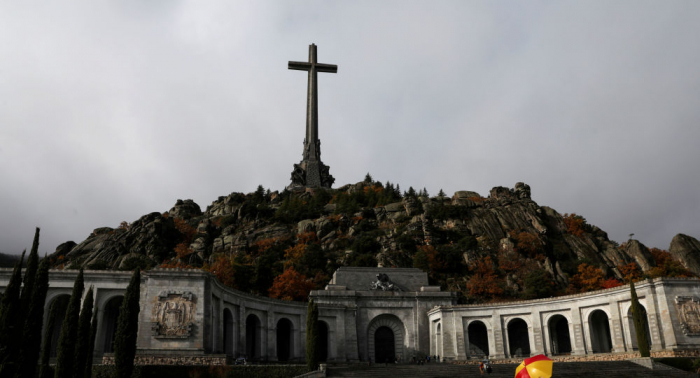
252	337
378	348
58	308
284	339
600	332
323	343
518	338
478	339
109	324
559	340
633	329
228	332
384	344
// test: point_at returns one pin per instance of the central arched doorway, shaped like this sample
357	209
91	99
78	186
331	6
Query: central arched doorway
252	337
284	339
518	338
600	332
478	339
384	344
559	340
385	338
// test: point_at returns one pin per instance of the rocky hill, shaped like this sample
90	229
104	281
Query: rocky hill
503	245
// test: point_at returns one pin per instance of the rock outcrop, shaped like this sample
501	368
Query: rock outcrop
686	249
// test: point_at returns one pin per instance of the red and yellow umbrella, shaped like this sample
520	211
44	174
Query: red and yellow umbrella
539	366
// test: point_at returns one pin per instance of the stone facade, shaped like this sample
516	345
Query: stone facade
583	324
188	317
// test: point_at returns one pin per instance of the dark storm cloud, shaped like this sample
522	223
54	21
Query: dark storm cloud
111	111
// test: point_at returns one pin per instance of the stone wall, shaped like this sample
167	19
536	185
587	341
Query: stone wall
172	360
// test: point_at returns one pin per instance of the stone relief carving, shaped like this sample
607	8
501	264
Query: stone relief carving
384	283
689	315
174	315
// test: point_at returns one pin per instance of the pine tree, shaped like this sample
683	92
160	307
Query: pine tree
82	353
10	319
31	340
640	323
57	307
65	359
368	178
30	273
312	336
91	345
127	328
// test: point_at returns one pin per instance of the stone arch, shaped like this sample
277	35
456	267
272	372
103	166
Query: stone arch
229	340
110	313
478	339
285	338
518	338
323	341
633	329
61	301
396	327
253	337
599	327
559	337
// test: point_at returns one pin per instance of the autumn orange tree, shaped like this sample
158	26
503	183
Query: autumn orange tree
666	265
588	278
575	224
528	244
630	272
291	286
484	282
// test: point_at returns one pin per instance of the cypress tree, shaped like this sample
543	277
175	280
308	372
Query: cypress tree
91	345
10	320
127	328
640	323
31	340
65	359
312	336
30	273
57	307
81	347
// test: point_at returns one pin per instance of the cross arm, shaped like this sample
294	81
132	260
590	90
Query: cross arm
320	67
301	66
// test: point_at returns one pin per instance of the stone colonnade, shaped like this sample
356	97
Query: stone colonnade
596	322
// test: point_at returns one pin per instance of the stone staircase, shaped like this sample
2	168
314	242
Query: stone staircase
603	369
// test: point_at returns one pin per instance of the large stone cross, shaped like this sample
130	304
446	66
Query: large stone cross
311	172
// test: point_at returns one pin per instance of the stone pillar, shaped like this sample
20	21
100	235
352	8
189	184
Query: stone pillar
587	336
349	330
497	348
576	332
653	317
242	348
666	319
269	337
458	332
536	344
616	328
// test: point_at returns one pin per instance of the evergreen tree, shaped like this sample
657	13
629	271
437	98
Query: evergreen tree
65	359
127	328
58	307
91	345
640	323
312	336
31	340
10	321
82	353
368	178
30	273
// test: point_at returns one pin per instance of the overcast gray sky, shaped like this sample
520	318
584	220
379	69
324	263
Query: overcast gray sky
111	110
